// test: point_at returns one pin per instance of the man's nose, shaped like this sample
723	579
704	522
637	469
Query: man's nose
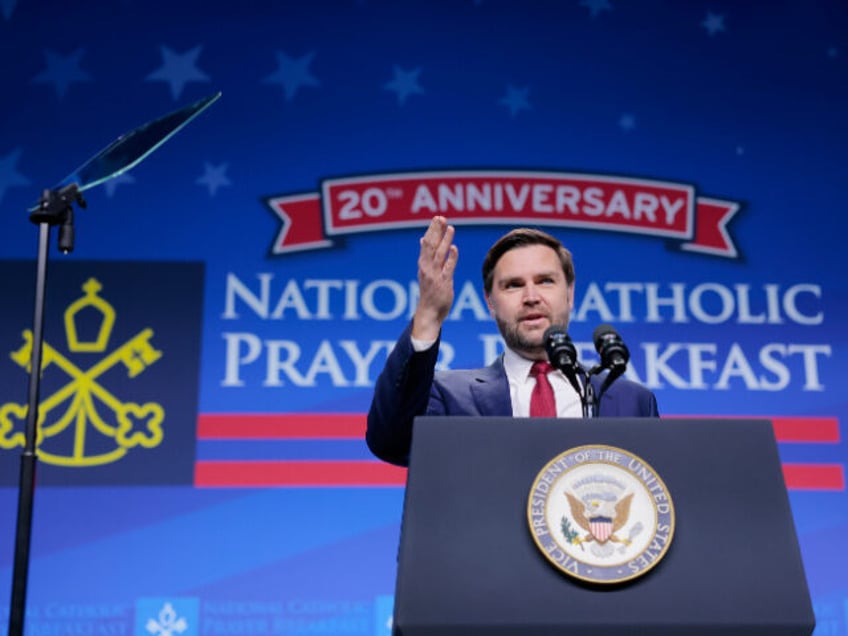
531	294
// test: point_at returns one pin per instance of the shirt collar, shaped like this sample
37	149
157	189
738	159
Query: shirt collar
516	366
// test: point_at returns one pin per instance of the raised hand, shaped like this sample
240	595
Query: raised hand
436	265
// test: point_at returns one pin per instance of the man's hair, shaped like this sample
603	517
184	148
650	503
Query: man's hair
522	237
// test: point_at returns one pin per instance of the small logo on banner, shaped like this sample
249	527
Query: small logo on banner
650	207
167	617
601	514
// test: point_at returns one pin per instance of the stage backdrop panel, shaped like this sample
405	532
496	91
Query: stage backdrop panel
203	465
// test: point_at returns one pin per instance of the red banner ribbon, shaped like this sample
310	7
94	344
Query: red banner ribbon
660	209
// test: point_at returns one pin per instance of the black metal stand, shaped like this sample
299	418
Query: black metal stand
55	208
590	405
591	401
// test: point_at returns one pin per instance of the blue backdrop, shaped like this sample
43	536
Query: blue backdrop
215	335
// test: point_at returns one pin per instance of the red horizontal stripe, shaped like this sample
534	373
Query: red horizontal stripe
821	430
806	429
352	426
246	474
814	476
280	426
229	474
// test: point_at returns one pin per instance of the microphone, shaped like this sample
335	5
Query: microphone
561	351
562	354
611	349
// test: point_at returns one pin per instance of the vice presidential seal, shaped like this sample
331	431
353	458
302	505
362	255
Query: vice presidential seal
601	514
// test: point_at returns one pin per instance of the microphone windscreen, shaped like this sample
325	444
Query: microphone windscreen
602	333
561	351
610	346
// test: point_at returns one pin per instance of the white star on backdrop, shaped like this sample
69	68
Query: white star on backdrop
516	99
627	122
112	184
178	70
9	175
214	177
596	6
8	6
62	71
404	83
292	74
713	23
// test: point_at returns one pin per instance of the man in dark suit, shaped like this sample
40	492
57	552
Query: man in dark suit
528	280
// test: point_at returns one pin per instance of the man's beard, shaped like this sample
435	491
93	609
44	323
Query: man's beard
530	346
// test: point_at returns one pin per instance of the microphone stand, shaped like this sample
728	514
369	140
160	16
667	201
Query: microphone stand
590	404
54	208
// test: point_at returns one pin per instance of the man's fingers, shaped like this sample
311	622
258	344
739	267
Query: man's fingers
450	261
436	243
434	234
445	247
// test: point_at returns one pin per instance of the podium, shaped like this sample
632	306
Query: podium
469	565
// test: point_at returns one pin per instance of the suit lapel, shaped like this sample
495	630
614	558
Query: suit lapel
490	389
607	405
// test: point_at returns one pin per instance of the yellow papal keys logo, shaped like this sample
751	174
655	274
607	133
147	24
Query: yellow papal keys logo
83	411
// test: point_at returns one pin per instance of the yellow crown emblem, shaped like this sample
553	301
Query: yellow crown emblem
89	303
83	409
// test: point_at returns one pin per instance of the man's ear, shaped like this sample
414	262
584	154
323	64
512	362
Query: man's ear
489	304
571	297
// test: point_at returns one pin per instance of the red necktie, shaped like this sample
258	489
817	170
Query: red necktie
542	402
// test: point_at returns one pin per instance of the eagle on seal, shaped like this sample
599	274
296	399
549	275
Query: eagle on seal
600	519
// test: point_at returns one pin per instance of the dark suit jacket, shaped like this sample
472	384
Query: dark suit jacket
409	386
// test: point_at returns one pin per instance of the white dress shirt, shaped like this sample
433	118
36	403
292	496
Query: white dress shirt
521	386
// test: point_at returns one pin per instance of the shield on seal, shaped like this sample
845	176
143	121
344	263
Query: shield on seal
601	528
